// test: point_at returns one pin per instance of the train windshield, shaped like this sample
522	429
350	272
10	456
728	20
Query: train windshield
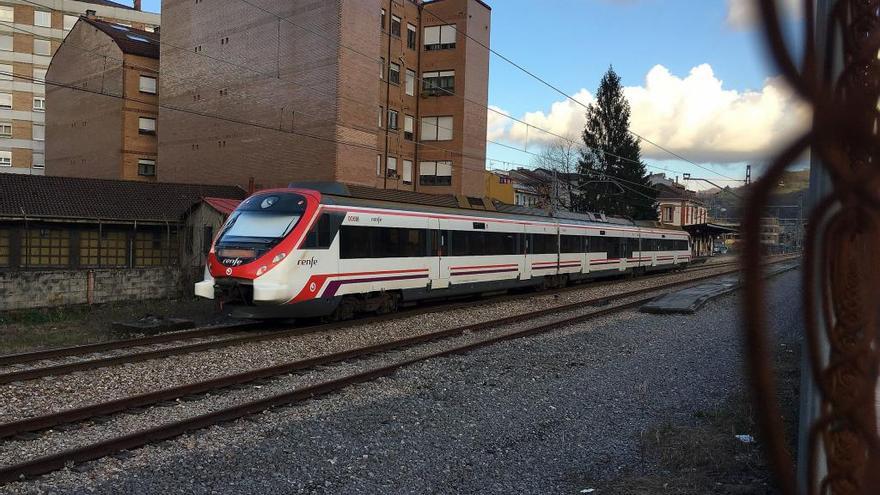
265	218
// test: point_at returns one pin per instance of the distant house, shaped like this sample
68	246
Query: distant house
102	109
676	205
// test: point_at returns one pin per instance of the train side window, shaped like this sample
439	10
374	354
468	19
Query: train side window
571	244
324	231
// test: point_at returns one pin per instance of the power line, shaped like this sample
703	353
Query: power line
566	95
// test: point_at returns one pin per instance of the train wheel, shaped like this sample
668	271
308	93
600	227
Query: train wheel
345	310
389	303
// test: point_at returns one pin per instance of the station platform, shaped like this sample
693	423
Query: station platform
688	301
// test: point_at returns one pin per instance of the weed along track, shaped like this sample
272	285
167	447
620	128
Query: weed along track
103	431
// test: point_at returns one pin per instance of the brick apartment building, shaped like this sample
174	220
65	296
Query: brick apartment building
103	108
29	36
373	92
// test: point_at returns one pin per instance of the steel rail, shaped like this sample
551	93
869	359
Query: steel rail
171	393
61	369
78	350
167	431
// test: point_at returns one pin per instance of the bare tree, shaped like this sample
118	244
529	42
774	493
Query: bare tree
560	158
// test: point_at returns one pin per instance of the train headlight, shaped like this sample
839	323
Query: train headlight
278	257
262	270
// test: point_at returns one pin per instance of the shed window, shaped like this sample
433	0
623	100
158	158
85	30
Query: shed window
4	247
46	247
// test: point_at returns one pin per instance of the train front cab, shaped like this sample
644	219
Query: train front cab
256	258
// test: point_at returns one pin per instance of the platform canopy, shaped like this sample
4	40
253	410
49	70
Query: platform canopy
712	229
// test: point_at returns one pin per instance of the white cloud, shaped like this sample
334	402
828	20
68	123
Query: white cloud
743	14
693	116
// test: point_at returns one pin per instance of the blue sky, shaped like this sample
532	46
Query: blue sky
571	43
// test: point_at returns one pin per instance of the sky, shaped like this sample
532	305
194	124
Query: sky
694	71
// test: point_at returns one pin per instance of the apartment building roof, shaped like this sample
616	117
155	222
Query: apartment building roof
130	40
36	196
108	3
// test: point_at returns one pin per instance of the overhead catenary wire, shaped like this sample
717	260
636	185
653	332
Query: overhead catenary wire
369	105
265	126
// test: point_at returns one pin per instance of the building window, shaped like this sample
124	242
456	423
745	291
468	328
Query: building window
42	18
411	37
438	83
5	72
7	13
435	173
395	26
392	167
392	119
668	213
156	248
146	125
4	247
379	165
38	132
381	67
147	84
39	103
39	76
410	82
436	129
381	116
146	167
6	42
5	100
39	160
440	37
407	172
46	247
102	248
408	126
5	158
394	73
42	47
382	20
5	129
69	21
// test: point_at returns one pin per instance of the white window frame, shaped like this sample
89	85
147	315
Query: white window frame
6	71
438	168
399	21
39	75
42	14
7	13
409	123
146	125
410	82
439	37
38	163
5	97
3	127
69	21
38	135
148	88
407	171
381	117
437	128
412	29
5	158
42	106
146	161
379	165
6	42
395	125
392	167
393	68
42	43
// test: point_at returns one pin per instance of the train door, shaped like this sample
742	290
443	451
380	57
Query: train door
440	261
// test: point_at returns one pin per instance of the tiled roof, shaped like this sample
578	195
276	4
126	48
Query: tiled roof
130	40
223	205
75	198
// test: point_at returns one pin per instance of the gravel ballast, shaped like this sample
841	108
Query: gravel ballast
548	414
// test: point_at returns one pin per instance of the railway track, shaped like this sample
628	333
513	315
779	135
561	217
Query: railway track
139	355
516	327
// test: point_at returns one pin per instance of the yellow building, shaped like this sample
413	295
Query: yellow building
499	187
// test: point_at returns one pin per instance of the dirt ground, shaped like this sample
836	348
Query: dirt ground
22	331
705	456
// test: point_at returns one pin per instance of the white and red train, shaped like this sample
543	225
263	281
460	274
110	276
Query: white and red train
319	251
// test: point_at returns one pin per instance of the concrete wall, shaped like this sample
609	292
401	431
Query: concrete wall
43	289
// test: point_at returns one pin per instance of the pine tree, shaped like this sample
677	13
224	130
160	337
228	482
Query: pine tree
614	179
